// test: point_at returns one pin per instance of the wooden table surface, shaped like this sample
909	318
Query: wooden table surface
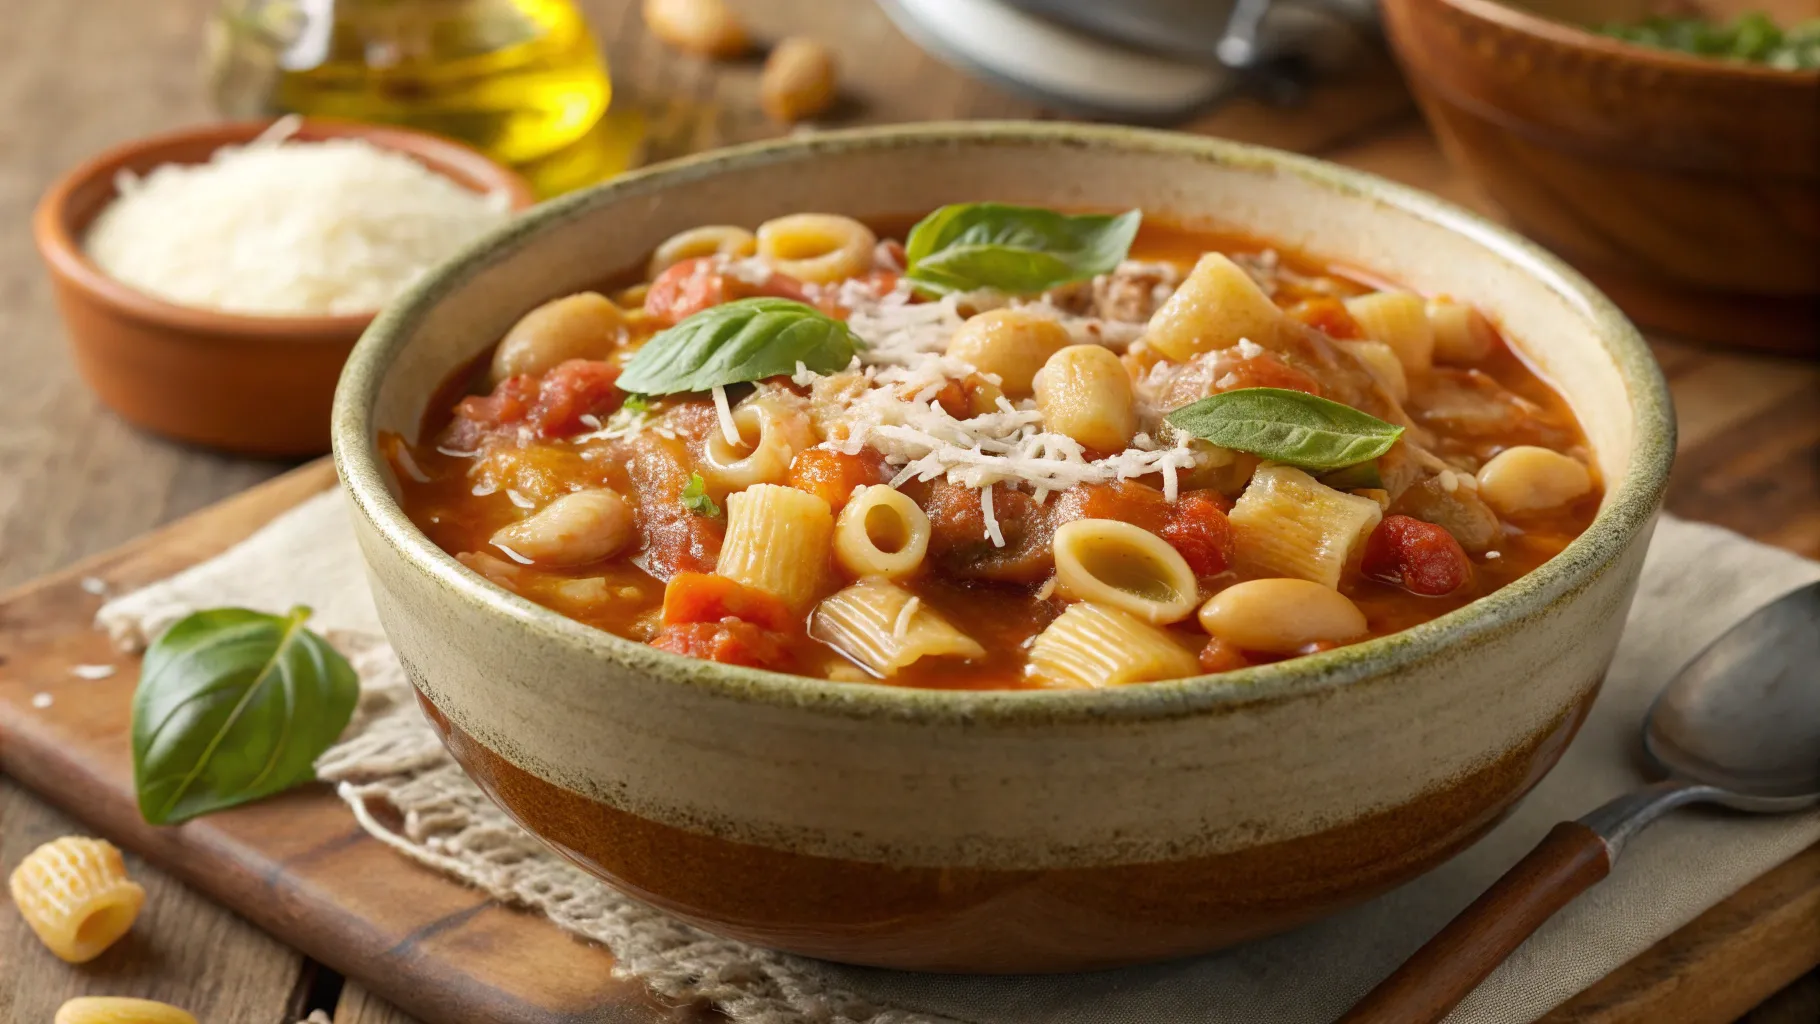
75	480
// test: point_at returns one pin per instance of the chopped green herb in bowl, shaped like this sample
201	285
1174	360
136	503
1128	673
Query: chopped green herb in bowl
1752	38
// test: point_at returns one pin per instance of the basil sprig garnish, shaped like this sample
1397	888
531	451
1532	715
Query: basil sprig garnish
1018	250
1287	426
234	706
735	342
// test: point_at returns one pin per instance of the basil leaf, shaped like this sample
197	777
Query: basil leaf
735	342
637	403
695	497
1288	426
1355	477
233	706
1018	250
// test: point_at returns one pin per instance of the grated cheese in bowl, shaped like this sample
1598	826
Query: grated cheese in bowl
282	227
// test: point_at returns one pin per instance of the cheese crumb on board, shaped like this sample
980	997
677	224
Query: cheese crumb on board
279	227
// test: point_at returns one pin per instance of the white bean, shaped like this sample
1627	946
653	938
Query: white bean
1281	616
1528	479
575	529
586	325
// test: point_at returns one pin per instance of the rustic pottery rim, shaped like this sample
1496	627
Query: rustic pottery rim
1628	512
1561	33
59	244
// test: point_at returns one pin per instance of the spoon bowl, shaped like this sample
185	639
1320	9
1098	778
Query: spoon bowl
1744	715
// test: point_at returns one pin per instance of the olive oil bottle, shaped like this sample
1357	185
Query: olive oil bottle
516	79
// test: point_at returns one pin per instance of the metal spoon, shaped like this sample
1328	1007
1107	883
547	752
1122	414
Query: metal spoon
1739	726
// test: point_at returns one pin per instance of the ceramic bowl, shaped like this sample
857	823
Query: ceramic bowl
259	385
1009	831
1689	188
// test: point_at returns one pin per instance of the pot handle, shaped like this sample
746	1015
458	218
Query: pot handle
1567	862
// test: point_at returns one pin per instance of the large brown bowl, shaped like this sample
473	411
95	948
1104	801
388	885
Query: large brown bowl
259	385
1687	187
1009	831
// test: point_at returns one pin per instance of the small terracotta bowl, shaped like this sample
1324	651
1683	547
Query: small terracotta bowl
1008	830
1686	187
259	385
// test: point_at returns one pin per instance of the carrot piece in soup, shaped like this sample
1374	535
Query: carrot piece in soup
1329	316
694	285
834	475
1198	528
1219	656
1421	557
705	597
729	641
1124	500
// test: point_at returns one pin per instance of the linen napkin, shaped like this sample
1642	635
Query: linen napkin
1697	581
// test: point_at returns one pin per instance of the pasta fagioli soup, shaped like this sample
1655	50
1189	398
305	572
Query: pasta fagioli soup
1010	448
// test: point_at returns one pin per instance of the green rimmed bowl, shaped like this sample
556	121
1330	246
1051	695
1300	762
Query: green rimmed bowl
1010	831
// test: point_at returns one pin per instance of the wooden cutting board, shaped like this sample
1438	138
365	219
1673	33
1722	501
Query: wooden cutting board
298	866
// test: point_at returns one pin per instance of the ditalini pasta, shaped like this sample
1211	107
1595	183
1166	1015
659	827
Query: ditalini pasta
883	628
1287	523
1093	645
778	540
1003	447
881	532
75	895
119	1010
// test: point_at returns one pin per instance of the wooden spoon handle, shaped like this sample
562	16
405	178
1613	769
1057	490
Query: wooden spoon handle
1567	862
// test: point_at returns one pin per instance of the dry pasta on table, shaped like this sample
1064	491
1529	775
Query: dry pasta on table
1000	447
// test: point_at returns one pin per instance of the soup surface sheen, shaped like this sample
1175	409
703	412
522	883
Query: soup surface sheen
988	495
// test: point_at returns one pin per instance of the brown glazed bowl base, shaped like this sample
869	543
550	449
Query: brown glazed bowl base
983	921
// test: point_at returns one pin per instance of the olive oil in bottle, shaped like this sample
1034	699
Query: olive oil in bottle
516	79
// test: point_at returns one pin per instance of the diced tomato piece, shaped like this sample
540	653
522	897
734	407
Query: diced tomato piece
1198	528
1267	371
572	390
889	255
1125	500
834	475
1219	656
729	641
705	597
1329	316
694	285
1420	557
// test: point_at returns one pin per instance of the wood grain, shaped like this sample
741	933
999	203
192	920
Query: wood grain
74	481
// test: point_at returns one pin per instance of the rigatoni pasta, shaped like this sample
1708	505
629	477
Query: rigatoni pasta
1010	447
882	628
1287	523
1092	645
75	894
778	541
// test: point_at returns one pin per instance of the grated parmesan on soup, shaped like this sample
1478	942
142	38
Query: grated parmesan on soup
281	227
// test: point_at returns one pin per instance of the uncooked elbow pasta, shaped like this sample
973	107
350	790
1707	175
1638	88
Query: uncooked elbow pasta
1125	567
881	532
819	248
75	895
119	1010
964	455
883	628
1093	645
1287	523
778	539
710	240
